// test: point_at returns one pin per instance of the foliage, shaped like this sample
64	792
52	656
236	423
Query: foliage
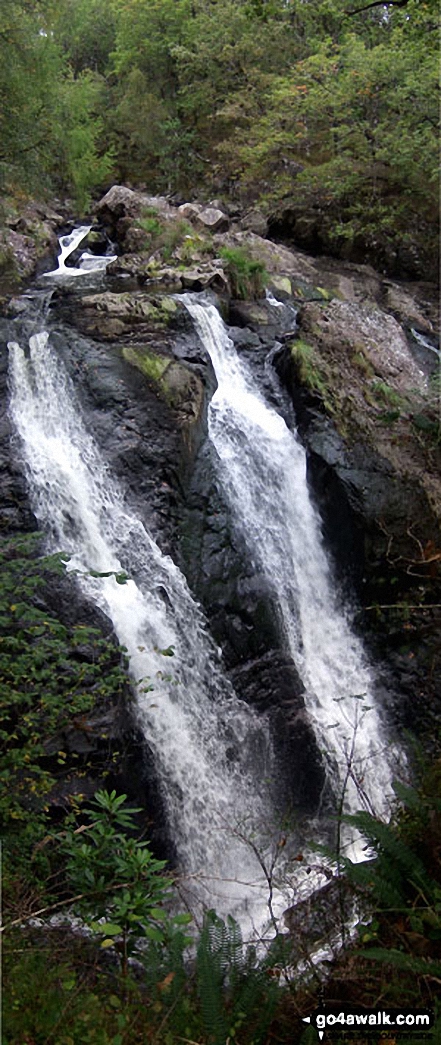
163	236
303	105
247	276
50	128
310	371
402	884
82	160
121	882
51	675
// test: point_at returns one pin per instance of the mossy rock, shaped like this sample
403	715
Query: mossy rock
150	363
307	292
178	386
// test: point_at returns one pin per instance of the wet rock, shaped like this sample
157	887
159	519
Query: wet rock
321	917
179	387
271	683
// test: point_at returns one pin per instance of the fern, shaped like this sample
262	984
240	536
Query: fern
406	962
396	868
234	989
212	965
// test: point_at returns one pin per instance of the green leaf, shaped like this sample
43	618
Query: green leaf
182	919
110	929
153	933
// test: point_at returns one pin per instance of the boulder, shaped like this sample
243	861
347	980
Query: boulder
206	275
121	206
378	337
212	220
255	221
120	202
405	308
276	258
189	211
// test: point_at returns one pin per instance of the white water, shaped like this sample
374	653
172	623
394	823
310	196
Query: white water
212	752
262	466
88	262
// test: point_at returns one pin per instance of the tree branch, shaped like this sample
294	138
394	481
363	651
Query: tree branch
378	3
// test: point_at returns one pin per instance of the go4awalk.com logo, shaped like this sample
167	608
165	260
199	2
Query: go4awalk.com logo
388	1024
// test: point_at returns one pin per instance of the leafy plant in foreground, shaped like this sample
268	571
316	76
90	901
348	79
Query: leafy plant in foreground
234	988
120	883
403	886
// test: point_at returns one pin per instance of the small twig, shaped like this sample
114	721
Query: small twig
402	606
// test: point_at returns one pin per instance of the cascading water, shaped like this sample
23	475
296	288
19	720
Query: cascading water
88	262
262	467
206	743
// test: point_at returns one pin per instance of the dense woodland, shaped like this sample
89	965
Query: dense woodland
331	105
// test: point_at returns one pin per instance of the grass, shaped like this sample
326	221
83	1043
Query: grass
310	373
247	277
161	234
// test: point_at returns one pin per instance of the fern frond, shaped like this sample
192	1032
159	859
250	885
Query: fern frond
210	970
406	962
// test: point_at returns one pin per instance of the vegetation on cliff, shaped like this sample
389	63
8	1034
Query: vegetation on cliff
133	970
326	111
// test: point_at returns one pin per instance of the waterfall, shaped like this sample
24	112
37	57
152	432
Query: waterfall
89	263
262	468
212	752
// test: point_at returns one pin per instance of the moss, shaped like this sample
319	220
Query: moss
325	295
385	394
281	284
167	305
150	363
180	389
311	372
304	291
